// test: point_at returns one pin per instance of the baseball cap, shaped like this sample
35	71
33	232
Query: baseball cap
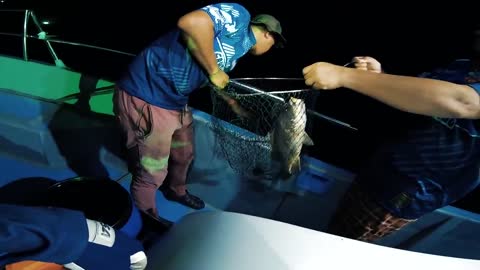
273	26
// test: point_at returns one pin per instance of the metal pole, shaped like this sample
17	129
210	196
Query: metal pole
58	62
25	23
69	43
254	89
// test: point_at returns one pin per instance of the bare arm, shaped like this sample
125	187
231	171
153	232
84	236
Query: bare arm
415	95
198	32
412	94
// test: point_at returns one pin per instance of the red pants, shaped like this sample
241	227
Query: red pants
158	141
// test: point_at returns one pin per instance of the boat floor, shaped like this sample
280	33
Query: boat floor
252	198
55	142
448	232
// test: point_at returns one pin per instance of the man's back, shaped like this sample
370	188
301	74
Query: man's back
165	73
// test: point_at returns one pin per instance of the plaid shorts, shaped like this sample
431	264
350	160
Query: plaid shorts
359	217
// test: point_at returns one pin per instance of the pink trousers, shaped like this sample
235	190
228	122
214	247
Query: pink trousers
160	147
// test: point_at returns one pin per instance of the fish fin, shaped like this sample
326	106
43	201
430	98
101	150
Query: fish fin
295	166
307	140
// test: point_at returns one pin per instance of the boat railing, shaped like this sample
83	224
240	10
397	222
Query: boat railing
43	36
29	15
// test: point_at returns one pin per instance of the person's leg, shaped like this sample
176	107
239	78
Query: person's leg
359	217
148	131
181	156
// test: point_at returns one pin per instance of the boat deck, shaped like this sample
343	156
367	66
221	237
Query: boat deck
58	142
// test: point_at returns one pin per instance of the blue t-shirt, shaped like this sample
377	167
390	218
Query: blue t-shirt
61	236
41	234
165	73
430	166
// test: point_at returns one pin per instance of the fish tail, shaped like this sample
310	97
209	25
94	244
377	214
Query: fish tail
294	166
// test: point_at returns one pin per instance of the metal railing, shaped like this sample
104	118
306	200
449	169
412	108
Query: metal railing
42	35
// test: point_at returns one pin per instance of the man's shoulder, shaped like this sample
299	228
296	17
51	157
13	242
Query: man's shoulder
235	10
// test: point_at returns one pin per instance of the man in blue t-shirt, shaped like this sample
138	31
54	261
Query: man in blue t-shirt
431	166
151	99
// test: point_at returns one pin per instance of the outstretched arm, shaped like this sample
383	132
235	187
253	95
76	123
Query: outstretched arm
412	94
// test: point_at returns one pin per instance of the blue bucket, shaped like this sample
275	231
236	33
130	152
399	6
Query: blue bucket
317	176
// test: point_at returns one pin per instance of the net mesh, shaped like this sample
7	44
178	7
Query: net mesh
243	139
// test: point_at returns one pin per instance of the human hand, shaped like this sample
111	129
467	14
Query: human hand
367	63
323	76
219	79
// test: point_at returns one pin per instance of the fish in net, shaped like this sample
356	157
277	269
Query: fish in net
244	119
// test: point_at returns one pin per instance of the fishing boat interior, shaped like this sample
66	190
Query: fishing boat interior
58	135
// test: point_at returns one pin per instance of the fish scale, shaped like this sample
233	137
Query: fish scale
288	137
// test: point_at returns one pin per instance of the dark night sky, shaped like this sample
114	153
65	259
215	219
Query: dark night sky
406	38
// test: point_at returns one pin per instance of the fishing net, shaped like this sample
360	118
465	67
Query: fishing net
244	141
